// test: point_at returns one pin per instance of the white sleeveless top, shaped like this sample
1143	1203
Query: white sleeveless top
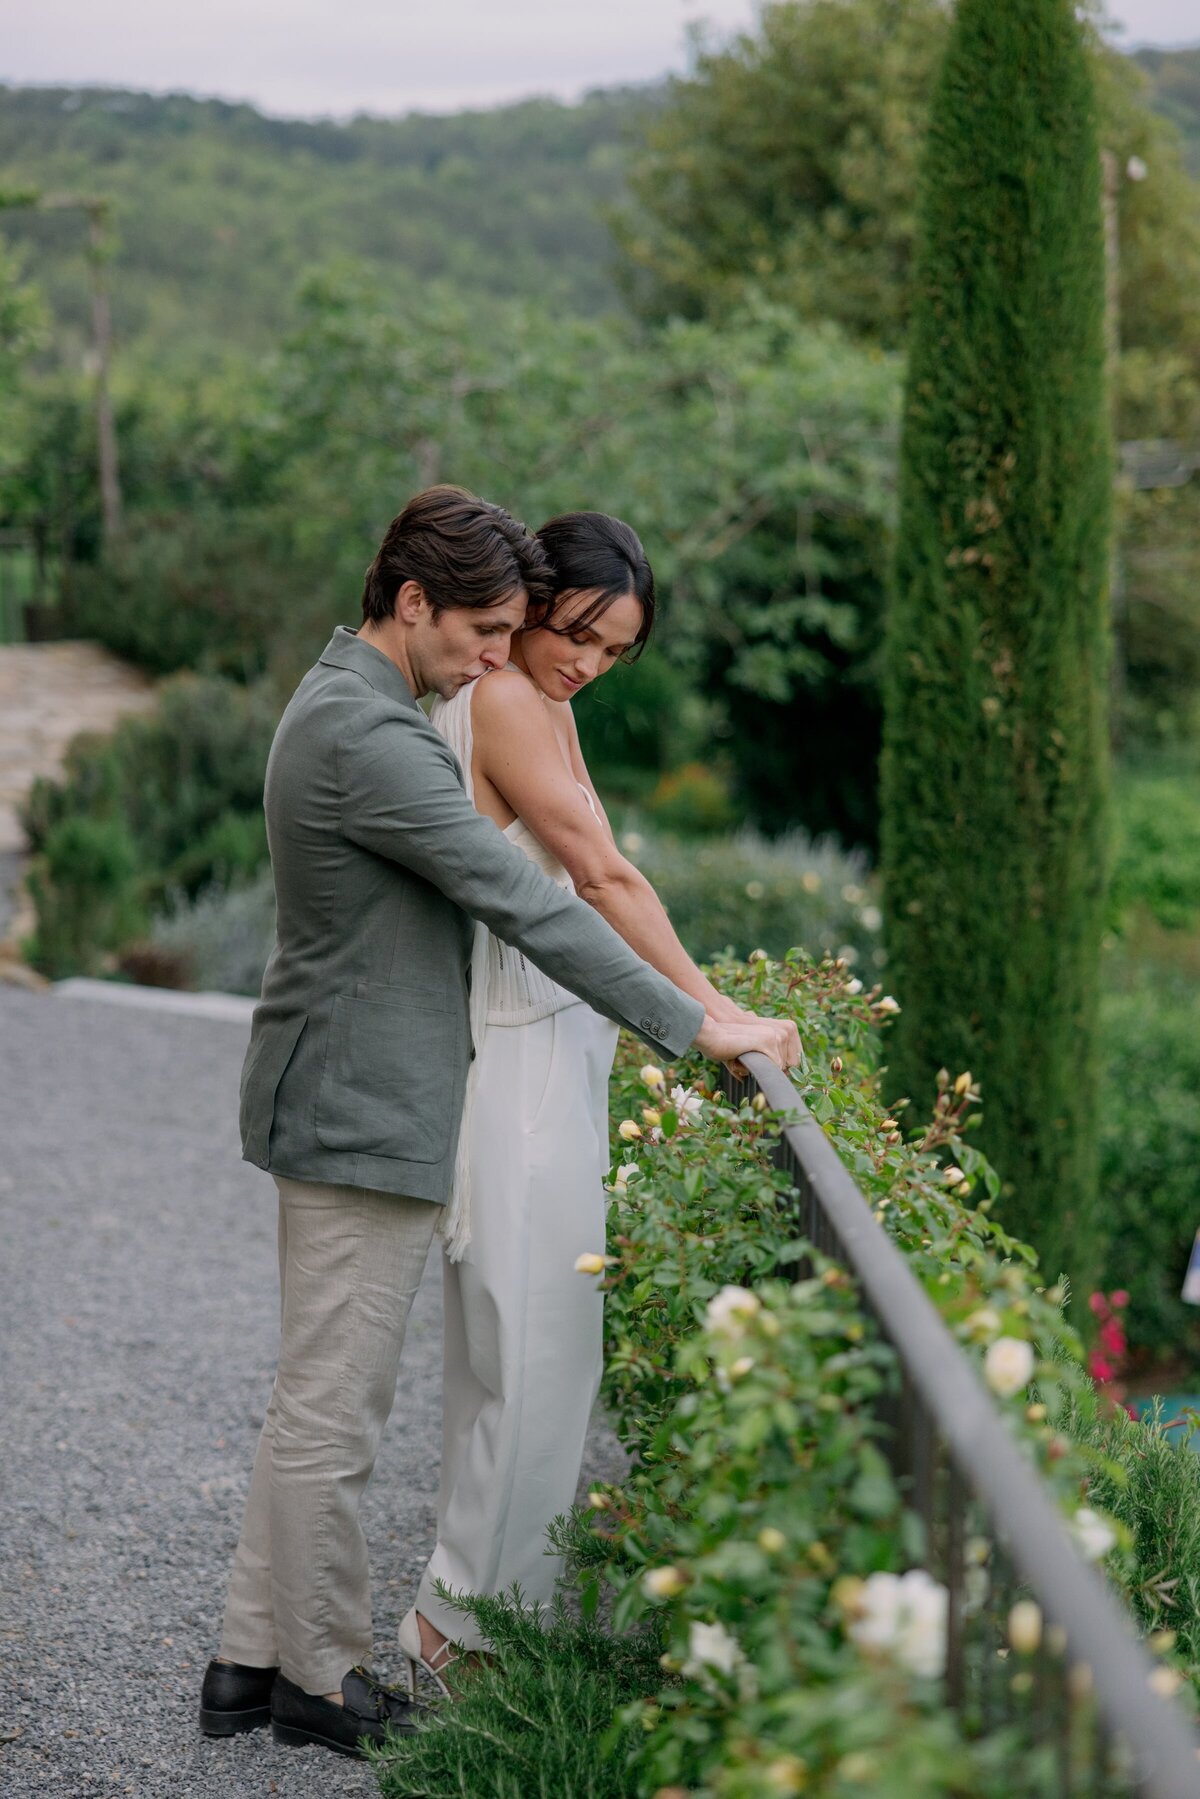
506	990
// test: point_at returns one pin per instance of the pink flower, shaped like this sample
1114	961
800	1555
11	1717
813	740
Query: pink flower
1112	1337
1098	1304
1119	1298
1098	1368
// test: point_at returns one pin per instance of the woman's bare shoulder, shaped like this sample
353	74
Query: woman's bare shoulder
503	692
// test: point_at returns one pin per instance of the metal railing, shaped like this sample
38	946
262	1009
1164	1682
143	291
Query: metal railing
1084	1702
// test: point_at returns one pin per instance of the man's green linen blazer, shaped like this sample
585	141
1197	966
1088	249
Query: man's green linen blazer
359	1047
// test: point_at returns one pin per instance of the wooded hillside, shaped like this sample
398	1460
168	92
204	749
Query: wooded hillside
221	209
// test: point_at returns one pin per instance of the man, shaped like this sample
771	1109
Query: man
353	1084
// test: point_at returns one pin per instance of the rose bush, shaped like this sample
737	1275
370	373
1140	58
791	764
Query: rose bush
760	1546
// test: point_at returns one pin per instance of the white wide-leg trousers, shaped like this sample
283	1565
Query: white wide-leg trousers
523	1331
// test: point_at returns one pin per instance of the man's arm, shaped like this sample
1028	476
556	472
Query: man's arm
402	797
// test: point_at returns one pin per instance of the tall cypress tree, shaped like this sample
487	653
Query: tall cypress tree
995	742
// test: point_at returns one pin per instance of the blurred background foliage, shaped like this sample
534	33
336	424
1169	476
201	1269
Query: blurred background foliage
686	305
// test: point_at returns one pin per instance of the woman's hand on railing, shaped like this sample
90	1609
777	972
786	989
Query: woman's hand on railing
726	1040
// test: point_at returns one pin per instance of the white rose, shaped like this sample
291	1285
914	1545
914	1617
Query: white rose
687	1105
727	1311
886	1004
1008	1366
854	986
627	1172
904	1616
1094	1535
711	1646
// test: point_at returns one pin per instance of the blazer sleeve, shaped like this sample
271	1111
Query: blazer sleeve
402	797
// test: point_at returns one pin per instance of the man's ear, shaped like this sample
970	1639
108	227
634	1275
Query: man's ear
411	604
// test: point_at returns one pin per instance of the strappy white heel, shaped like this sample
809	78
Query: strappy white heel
409	1636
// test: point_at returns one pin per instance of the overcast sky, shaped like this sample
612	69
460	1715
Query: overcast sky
336	57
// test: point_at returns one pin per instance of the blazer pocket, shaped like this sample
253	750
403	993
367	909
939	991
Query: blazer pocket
270	1056
391	1073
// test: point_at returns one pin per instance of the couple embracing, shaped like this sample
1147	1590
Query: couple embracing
458	940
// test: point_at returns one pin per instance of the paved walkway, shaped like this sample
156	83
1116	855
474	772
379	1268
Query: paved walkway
49	692
137	1333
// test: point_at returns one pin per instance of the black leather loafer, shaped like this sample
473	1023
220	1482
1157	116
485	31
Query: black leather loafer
235	1698
368	1711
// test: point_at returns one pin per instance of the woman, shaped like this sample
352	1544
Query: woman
522	1331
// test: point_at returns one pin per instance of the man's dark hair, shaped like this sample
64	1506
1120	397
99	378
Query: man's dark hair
462	550
590	552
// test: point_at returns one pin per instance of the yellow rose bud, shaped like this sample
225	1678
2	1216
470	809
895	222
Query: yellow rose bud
771	1541
1025	1626
591	1263
652	1076
759	1102
787	1774
599	1502
1035	1413
651	1118
847	1594
629	1130
963	1083
836	1065
663	1583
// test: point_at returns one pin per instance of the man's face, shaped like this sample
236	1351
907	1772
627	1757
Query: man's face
463	642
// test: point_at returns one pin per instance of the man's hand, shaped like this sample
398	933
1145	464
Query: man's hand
725	1041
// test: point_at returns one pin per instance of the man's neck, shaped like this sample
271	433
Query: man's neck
391	640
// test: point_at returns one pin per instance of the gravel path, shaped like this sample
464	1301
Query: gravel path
137	1335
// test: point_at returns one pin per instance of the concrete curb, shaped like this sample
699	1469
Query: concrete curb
231	1008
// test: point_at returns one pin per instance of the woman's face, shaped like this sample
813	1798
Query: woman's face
562	661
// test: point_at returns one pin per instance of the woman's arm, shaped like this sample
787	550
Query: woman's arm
580	769
518	751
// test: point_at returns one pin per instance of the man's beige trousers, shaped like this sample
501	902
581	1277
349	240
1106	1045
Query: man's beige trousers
350	1261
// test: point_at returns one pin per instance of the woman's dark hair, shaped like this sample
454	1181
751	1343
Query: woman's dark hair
591	552
462	550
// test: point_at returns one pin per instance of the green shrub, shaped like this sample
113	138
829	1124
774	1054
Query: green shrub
693	800
742	892
176	797
556	1742
199	589
223	936
745	892
1157	864
85	891
1150	1160
1149	1483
